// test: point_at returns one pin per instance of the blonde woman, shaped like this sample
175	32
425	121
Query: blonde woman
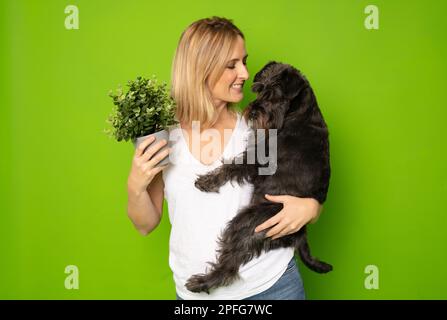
208	74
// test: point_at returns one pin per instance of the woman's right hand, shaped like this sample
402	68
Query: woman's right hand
143	167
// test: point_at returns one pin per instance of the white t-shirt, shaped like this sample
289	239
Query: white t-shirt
198	218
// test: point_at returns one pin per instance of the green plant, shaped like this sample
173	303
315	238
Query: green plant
145	108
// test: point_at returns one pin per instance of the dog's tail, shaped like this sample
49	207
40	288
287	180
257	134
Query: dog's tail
311	262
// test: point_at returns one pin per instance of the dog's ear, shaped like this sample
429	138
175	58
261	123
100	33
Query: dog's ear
257	87
259	75
268	64
292	83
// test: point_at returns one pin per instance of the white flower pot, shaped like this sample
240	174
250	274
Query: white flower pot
160	135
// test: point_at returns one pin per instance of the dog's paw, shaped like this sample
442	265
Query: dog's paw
207	183
197	283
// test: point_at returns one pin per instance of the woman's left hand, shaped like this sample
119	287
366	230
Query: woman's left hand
296	213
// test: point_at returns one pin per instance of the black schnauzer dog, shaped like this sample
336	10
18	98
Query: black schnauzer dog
285	102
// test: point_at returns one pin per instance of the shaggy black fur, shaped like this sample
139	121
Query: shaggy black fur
286	102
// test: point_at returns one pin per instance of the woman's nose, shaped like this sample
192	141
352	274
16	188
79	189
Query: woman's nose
243	73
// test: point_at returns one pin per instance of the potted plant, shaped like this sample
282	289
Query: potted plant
146	109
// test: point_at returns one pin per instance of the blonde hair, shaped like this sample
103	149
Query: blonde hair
199	61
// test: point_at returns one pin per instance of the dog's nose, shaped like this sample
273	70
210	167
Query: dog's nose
252	114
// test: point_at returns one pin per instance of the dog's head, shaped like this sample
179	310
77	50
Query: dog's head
277	81
276	85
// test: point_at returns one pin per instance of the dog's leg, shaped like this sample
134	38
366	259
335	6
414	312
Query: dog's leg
238	245
239	170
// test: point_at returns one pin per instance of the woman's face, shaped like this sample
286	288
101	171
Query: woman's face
229	86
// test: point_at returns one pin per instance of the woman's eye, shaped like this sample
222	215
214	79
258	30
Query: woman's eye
232	67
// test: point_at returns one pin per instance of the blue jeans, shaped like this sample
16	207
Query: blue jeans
288	287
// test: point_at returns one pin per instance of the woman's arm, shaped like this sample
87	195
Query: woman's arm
296	213
145	185
145	208
319	209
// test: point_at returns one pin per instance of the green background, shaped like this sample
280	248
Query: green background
63	181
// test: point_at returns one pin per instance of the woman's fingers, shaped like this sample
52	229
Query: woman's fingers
153	149
285	231
143	145
276	230
288	229
277	198
158	157
270	222
158	169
